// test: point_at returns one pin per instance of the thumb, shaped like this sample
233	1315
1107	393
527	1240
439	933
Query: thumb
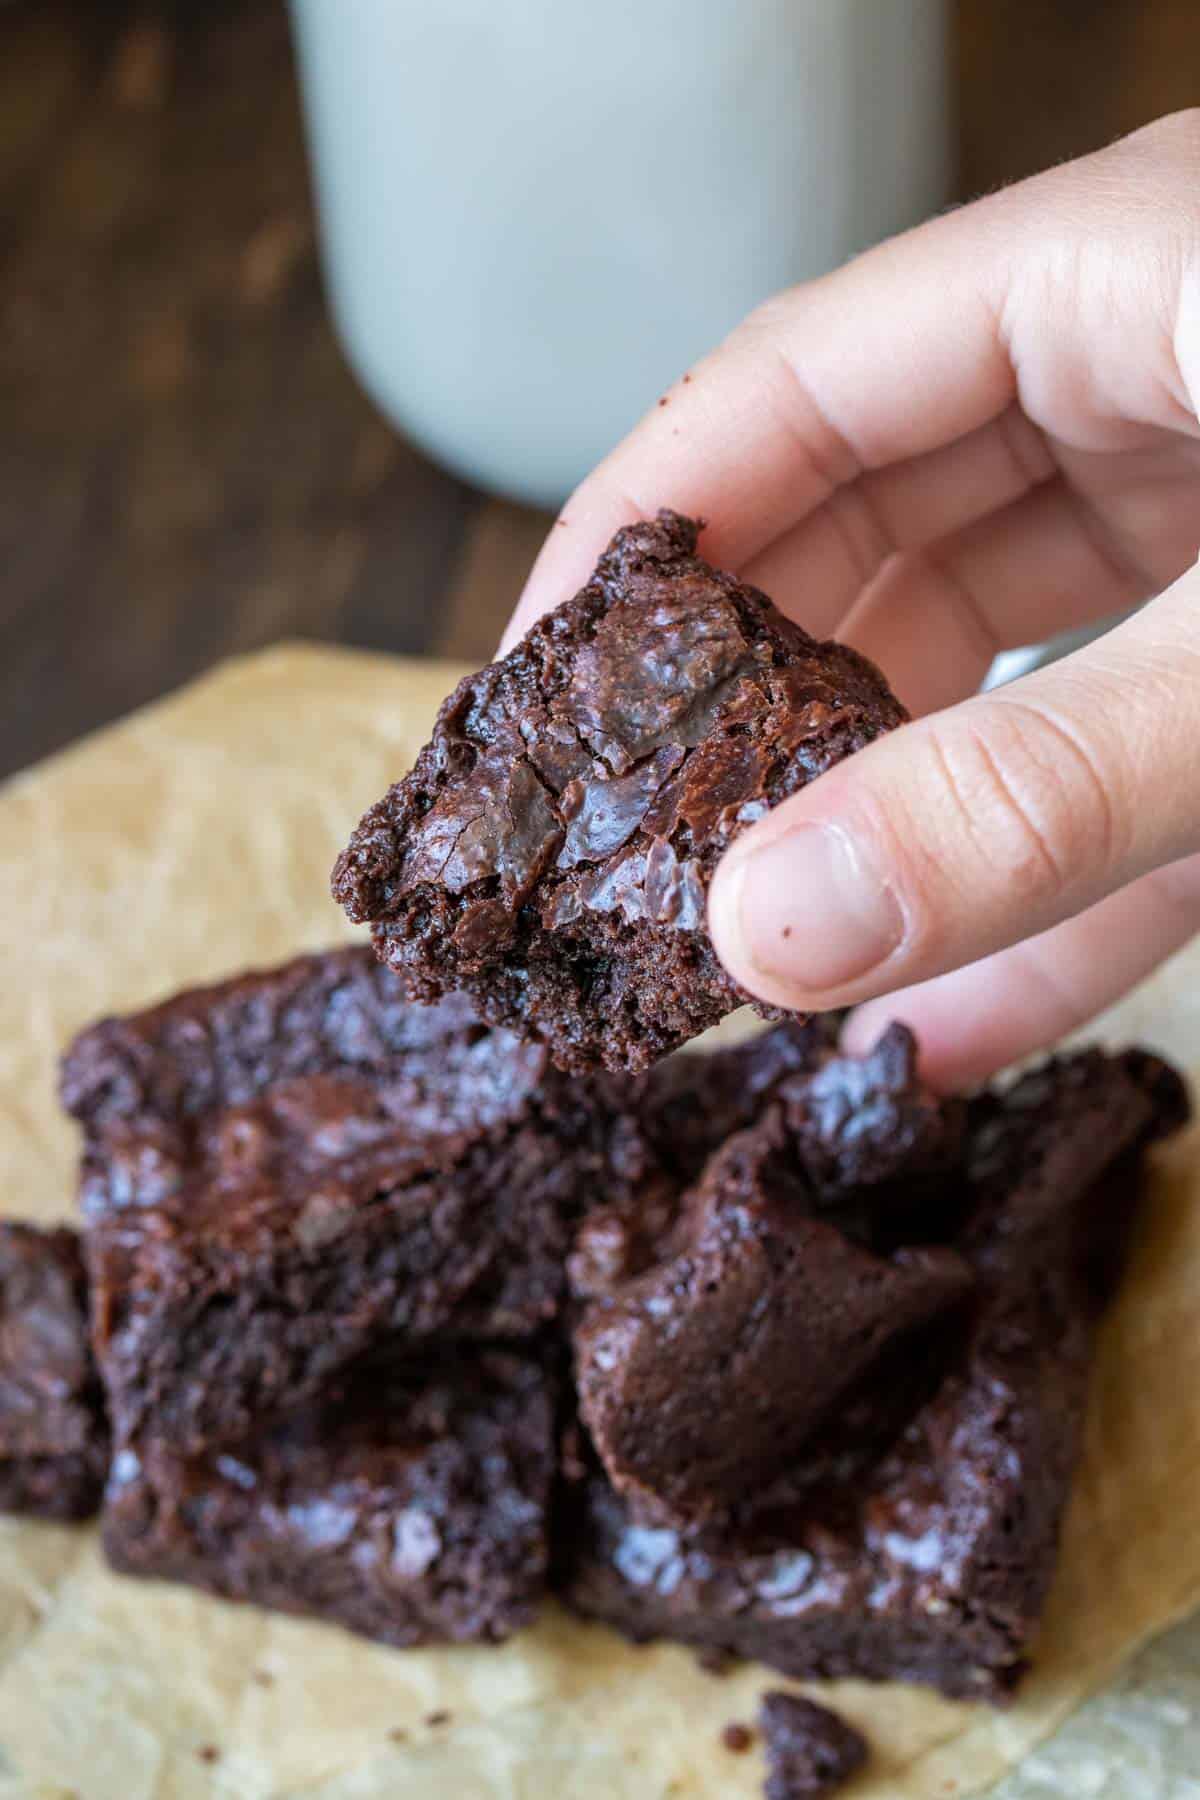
977	827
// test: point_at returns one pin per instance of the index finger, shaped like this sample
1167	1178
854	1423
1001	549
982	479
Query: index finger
893	355
1033	293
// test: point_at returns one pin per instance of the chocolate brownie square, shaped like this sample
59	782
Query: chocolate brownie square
811	1751
53	1436
916	1537
550	852
409	1503
775	1290
283	1170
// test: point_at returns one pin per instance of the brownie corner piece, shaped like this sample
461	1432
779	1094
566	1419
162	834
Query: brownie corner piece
53	1435
811	1750
408	1504
551	850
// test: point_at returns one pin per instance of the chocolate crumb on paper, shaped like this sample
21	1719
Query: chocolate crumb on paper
811	1750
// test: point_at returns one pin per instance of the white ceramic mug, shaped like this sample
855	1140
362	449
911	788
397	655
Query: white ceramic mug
536	213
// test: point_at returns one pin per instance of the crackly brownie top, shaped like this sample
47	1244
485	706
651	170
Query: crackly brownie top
311	1152
811	1751
47	1389
587	783
401	1459
222	1045
307	1088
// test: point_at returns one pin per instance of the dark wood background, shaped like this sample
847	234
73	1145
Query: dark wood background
187	468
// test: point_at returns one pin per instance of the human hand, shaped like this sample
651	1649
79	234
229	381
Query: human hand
971	438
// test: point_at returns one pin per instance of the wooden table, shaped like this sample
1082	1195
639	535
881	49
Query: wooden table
187	468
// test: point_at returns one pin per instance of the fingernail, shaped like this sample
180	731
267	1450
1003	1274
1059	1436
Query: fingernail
808	912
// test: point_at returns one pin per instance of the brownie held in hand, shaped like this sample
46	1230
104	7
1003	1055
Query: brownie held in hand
408	1503
284	1169
550	852
783	1280
53	1438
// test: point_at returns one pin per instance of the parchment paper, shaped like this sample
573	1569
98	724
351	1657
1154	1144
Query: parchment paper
196	838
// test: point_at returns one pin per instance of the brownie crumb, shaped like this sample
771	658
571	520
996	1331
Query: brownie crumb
441	1717
712	1660
398	1735
208	1753
810	1750
737	1738
263	1678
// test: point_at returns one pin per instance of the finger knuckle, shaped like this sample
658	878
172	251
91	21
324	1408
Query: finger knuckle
1176	136
1030	797
771	317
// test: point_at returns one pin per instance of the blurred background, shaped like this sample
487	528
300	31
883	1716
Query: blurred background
189	468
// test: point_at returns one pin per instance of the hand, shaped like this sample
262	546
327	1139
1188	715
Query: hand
971	438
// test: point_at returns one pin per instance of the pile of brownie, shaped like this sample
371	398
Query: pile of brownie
392	1316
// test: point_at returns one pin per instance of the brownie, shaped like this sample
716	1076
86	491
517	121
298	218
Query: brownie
283	1170
53	1436
551	850
691	1102
915	1538
703	1377
408	1503
810	1750
337	1012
